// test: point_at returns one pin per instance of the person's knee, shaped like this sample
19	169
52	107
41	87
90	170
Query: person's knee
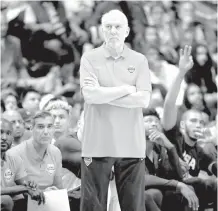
154	194
7	203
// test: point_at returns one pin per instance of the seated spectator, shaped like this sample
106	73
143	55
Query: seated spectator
69	146
10	99
162	161
194	99
200	73
43	161
12	66
30	99
161	71
14	181
185	139
18	126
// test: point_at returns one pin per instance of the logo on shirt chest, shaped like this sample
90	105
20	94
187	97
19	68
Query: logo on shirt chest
189	160
8	175
50	168
131	69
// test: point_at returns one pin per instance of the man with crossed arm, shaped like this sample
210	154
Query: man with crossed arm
115	83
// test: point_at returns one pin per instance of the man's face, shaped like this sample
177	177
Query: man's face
194	96
201	55
194	122
115	30
31	101
43	130
10	103
6	136
17	124
151	123
4	25
61	120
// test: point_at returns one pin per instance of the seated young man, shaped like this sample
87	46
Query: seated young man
163	181
185	138
14	181
43	161
70	148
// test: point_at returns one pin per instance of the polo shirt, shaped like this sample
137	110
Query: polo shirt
43	171
112	131
11	171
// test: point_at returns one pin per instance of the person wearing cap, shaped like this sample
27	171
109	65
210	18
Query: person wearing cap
43	161
115	83
18	126
14	181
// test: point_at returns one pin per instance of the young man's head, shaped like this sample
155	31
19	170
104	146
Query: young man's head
30	100
151	121
115	28
17	123
192	123
6	135
43	128
60	110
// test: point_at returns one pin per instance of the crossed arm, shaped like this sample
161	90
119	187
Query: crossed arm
123	96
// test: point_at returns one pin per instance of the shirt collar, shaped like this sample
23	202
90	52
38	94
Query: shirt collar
108	55
33	151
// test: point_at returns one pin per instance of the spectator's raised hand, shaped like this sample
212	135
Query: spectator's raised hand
185	60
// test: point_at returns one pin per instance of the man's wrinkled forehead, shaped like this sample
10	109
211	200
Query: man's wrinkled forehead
190	114
116	18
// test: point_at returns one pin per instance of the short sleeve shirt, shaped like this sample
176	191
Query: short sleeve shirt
42	171
194	156
11	171
112	131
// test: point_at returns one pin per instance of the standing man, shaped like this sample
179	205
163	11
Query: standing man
115	84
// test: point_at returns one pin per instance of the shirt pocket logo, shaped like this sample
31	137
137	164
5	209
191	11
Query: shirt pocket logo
131	69
50	168
8	175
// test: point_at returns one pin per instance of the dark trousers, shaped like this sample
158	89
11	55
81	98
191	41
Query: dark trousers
129	177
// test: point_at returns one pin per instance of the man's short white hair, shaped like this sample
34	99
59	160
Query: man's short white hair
115	13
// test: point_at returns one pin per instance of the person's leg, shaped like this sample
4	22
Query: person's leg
153	200
7	203
94	183
130	181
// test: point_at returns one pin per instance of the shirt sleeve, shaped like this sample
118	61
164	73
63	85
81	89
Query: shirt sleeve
143	81
86	69
20	169
58	172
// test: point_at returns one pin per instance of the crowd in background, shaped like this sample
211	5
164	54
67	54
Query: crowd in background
42	43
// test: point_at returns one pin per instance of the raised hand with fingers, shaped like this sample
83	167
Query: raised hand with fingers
185	60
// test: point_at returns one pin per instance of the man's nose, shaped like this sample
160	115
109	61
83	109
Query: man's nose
113	30
3	137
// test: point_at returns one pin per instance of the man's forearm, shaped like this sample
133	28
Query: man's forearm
135	100
170	110
160	183
15	190
103	95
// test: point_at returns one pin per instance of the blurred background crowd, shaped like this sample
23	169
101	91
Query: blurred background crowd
42	43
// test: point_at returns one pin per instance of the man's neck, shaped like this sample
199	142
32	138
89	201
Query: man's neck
40	148
17	140
115	52
189	141
2	155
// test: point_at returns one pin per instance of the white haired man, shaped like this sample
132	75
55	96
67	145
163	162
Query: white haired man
115	83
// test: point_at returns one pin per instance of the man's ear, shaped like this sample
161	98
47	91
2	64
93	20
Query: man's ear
127	31
182	126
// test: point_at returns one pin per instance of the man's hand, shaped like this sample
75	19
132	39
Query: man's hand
76	193
189	194
32	185
160	138
185	60
37	195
